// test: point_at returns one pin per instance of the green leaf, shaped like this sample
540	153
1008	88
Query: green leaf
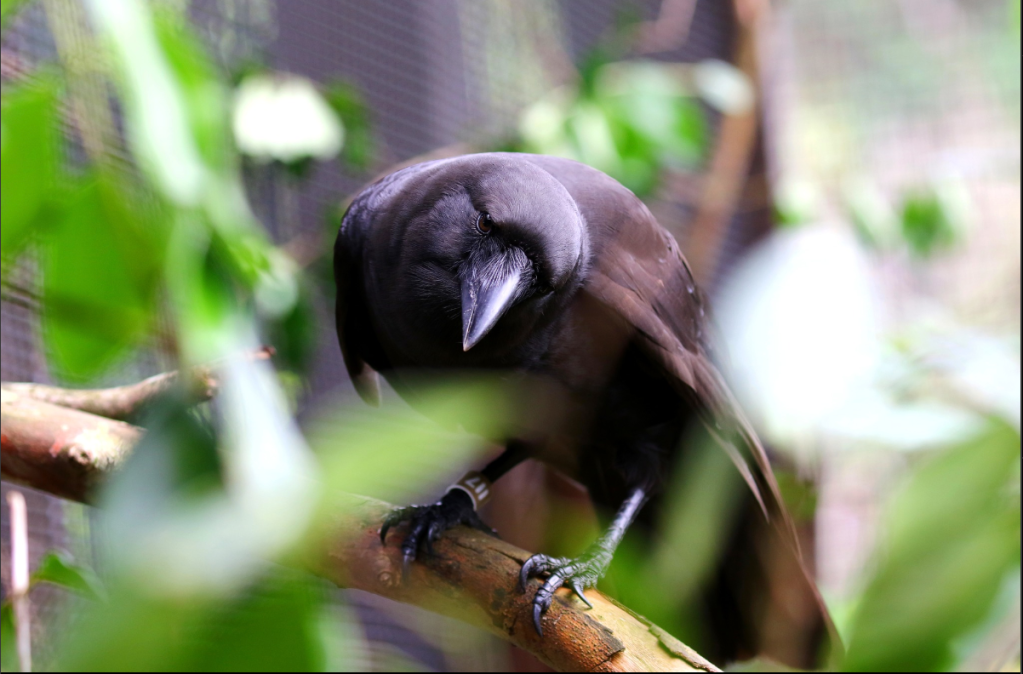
29	161
99	277
8	640
273	625
205	96
952	536
155	102
930	221
393	453
275	628
9	7
351	107
59	570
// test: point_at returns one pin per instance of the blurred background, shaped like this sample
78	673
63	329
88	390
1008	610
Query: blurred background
843	177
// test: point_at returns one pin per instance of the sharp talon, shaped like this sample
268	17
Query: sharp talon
527	568
432	535
578	589
538	619
383	533
406	566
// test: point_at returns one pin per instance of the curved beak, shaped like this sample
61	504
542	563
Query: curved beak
488	292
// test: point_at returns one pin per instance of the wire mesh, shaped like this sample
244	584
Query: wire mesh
434	74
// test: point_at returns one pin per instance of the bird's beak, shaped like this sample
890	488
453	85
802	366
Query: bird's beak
487	294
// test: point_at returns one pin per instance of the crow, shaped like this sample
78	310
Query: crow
544	267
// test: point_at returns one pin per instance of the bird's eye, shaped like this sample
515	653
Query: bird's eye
484	223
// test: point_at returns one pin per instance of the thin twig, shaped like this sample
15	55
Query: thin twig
20	578
125	403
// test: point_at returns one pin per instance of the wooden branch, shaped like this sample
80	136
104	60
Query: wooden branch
729	169
473	577
124	403
58	450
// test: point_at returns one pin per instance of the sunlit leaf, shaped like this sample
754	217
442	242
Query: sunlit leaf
8	640
58	570
29	160
724	86
205	97
158	121
952	537
98	279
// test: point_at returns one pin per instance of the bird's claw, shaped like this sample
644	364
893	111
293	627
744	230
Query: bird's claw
578	575
428	523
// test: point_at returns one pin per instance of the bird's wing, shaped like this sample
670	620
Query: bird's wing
354	328
643	277
647	282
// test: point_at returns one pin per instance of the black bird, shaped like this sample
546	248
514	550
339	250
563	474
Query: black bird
546	267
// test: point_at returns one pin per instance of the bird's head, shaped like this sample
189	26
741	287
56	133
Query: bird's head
491	242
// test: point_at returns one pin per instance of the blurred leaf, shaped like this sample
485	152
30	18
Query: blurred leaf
630	120
872	216
397	454
273	628
294	336
9	7
99	276
130	633
953	535
799	495
157	111
29	159
205	97
930	222
359	148
9	661
662	581
272	625
203	293
59	570
724	87
796	202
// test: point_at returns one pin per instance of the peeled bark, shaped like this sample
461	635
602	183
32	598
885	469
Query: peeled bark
58	450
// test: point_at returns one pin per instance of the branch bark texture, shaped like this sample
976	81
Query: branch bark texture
473	577
59	450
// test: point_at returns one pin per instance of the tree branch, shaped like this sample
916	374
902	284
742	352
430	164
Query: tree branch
124	403
58	450
473	577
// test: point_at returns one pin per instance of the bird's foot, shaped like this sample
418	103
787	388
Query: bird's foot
578	575
427	523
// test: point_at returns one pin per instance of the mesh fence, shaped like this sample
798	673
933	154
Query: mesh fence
434	74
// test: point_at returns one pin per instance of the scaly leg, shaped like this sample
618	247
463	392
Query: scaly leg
584	572
427	523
